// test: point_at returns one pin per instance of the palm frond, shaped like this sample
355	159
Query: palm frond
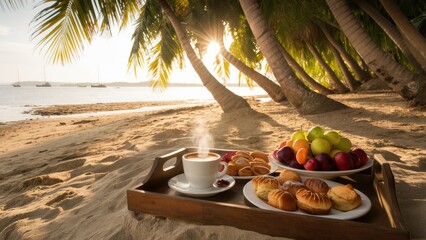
64	27
13	4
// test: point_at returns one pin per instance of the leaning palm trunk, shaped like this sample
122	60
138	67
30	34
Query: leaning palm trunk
303	74
227	100
302	98
361	74
393	34
410	86
340	87
416	42
271	88
349	79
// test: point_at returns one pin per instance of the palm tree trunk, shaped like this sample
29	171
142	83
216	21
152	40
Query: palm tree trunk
410	86
303	99
227	100
349	79
415	40
271	88
303	74
393	34
361	74
340	87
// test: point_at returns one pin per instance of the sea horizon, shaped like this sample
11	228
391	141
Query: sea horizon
16	101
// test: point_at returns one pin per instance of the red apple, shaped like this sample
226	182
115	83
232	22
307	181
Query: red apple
311	165
343	161
362	155
325	162
355	159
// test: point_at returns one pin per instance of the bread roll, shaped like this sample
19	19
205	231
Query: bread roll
264	184
286	175
292	186
344	197
282	200
316	185
313	203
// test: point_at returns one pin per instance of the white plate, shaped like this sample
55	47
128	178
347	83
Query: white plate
361	210
320	174
180	184
273	169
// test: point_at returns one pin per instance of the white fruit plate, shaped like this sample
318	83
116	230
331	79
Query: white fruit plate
319	174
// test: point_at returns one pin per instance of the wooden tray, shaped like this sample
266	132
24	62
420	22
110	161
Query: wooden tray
383	221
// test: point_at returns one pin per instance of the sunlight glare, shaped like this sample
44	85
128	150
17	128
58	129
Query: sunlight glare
212	50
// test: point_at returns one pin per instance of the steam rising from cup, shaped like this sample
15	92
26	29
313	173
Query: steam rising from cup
202	138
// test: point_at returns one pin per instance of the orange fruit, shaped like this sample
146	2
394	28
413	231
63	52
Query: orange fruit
289	143
283	144
302	155
300	143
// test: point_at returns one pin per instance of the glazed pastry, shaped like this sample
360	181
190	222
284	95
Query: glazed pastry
282	199
263	185
232	169
245	171
344	197
286	175
316	185
254	164
260	170
244	154
240	162
261	155
292	186
313	203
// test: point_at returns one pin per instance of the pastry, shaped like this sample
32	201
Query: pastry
282	199
292	186
254	164
344	197
261	155
313	203
232	169
286	175
244	154
245	171
316	185
260	170
240	162
264	184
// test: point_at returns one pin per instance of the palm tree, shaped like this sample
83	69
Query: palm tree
410	86
416	42
227	100
304	100
393	34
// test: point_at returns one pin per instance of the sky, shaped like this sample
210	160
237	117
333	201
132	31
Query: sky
106	56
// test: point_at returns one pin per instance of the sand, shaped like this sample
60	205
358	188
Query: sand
66	178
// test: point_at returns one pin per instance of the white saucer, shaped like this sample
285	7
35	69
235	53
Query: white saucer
180	184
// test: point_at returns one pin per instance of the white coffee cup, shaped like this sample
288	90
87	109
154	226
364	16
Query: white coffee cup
202	169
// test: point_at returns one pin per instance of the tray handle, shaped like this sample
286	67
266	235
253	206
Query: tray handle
384	185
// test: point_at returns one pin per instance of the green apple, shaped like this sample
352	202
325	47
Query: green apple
333	137
334	151
298	135
315	132
344	144
320	145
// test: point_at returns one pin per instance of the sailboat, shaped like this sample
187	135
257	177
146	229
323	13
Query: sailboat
99	85
45	84
17	84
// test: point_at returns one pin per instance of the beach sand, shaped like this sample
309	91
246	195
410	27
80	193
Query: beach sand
66	178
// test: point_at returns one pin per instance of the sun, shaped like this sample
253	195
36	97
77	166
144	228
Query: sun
213	49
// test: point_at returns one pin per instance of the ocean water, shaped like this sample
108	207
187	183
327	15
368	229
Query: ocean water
16	100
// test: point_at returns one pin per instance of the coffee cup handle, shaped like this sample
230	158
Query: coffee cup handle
224	169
